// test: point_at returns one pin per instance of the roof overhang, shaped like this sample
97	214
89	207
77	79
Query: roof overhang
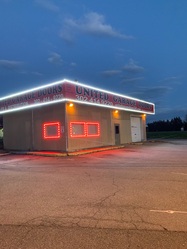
71	91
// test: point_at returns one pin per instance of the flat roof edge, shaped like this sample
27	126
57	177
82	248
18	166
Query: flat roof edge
59	91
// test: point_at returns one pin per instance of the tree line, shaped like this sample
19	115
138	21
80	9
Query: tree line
175	124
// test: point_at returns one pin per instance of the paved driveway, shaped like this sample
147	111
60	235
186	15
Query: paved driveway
135	197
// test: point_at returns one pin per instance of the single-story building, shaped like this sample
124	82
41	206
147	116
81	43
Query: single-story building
67	116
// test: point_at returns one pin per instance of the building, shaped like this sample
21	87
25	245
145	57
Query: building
68	116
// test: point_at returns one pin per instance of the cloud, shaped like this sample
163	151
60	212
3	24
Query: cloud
55	58
110	73
132	67
37	73
66	35
10	65
26	72
120	52
167	113
174	80
157	91
176	110
73	64
129	80
152	93
47	5
92	24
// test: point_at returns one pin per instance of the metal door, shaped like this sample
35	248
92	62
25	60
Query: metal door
136	129
117	134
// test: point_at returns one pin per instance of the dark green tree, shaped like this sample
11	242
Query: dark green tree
174	124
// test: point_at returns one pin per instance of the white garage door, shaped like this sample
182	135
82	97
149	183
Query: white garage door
136	129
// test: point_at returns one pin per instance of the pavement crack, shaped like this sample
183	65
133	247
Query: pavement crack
89	176
146	222
128	240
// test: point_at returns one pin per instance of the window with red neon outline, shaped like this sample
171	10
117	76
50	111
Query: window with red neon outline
51	130
93	129
84	129
77	129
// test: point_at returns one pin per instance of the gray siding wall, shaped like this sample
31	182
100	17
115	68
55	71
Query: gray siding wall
23	130
89	114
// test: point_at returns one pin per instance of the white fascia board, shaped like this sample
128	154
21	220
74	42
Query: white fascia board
32	106
33	89
100	89
108	106
75	83
73	100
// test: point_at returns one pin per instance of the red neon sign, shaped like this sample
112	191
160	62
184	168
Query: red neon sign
84	129
51	130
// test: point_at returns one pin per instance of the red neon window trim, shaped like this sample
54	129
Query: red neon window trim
73	129
74	132
97	129
54	127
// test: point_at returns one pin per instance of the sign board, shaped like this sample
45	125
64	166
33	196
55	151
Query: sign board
72	91
100	97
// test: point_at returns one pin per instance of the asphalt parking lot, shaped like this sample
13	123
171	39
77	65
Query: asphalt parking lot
134	197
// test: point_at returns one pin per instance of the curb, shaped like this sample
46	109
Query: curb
5	154
82	152
73	153
65	154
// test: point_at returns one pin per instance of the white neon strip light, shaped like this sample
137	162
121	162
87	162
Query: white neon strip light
32	106
110	106
75	101
75	83
32	90
102	90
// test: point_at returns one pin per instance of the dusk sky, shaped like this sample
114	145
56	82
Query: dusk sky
132	47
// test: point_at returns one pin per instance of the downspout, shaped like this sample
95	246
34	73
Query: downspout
32	130
66	127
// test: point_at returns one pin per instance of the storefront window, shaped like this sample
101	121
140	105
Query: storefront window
84	129
77	129
93	129
51	130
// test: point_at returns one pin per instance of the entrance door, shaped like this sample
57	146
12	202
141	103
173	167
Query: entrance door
117	134
136	129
